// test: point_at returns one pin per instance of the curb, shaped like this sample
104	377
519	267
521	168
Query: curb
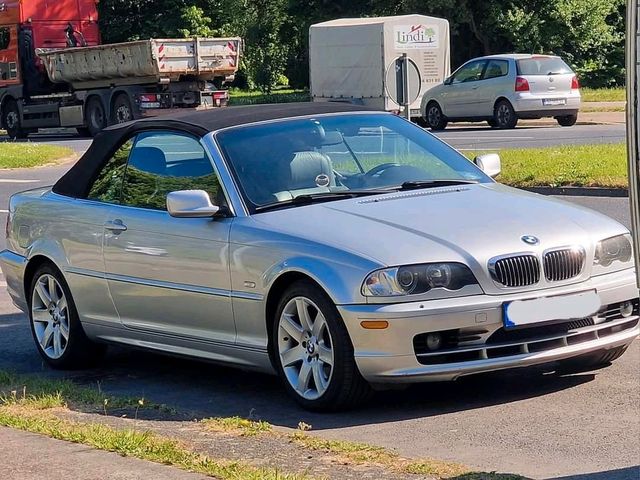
579	191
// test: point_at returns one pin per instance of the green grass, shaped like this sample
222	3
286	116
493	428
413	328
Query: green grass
603	94
139	444
602	165
285	95
242	426
21	155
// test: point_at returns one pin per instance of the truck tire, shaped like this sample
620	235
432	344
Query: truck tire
11	120
95	116
122	111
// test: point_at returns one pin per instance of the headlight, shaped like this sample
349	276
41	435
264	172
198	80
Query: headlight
416	279
614	249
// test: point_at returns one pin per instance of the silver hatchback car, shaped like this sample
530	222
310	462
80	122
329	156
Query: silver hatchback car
501	89
339	247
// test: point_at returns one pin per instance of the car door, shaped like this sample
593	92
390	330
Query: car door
169	275
460	98
494	84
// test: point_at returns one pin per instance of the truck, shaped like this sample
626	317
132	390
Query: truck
351	59
54	72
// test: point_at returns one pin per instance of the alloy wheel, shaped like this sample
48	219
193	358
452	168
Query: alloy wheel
305	348
50	316
504	114
434	115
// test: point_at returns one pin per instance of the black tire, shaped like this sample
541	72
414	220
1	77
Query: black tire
567	120
95	116
79	352
346	388
11	120
83	132
504	116
434	117
122	110
492	123
590	361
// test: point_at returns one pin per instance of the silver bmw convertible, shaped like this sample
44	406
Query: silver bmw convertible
342	248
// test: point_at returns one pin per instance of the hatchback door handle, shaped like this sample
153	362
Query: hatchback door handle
115	226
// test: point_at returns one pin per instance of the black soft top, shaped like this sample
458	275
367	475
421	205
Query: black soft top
78	180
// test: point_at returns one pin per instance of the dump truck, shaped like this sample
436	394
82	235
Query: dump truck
55	73
350	58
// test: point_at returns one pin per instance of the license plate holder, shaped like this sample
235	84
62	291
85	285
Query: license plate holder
554	102
548	310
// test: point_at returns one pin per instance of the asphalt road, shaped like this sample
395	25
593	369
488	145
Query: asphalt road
479	137
579	427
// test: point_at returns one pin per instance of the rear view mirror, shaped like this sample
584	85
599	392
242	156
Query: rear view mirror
190	204
489	163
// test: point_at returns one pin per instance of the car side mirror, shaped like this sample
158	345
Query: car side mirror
190	204
489	163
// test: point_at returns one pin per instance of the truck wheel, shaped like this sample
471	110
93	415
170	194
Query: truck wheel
96	117
122	111
11	120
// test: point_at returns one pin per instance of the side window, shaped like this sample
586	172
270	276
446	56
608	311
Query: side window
469	73
496	68
108	186
164	162
5	38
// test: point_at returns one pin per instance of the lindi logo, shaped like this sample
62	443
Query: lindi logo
416	36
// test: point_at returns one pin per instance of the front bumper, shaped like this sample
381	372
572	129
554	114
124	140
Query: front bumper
13	268
392	355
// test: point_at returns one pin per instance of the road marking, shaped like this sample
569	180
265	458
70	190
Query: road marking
17	180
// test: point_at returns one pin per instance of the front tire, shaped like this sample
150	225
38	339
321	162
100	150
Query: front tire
11	121
567	120
504	116
434	117
313	352
55	325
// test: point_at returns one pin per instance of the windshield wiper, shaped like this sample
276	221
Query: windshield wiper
319	197
416	184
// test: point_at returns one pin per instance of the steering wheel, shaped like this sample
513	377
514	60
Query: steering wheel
380	168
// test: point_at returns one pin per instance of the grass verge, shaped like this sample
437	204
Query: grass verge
132	443
237	425
602	165
617	94
240	97
22	155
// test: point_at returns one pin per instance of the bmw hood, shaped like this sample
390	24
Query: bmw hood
469	224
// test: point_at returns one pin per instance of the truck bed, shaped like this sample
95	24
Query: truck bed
143	61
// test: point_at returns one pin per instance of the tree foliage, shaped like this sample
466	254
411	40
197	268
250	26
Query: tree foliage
589	34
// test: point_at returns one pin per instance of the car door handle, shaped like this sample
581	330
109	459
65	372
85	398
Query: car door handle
115	226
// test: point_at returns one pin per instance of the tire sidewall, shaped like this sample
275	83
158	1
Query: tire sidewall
76	333
94	105
341	344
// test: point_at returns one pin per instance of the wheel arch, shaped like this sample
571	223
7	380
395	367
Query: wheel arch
33	264
500	99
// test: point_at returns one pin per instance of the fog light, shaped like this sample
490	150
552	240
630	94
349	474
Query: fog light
434	341
626	309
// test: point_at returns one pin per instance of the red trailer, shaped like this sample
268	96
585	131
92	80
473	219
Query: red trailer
35	94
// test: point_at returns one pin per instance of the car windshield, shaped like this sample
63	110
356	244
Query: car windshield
332	156
543	66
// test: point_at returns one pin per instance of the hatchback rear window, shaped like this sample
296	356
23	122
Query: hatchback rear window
543	66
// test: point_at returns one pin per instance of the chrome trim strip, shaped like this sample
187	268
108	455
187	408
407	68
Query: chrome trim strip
219	292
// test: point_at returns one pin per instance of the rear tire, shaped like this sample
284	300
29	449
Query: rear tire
55	325
504	116
316	349
591	361
96	117
492	123
434	117
567	120
11	121
122	111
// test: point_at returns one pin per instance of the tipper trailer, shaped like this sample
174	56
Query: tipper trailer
55	73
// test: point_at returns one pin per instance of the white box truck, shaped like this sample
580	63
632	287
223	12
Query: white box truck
349	57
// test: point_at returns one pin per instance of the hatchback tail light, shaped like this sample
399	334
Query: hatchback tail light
575	84
522	85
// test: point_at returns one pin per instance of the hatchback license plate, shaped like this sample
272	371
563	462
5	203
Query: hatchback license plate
546	309
550	102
